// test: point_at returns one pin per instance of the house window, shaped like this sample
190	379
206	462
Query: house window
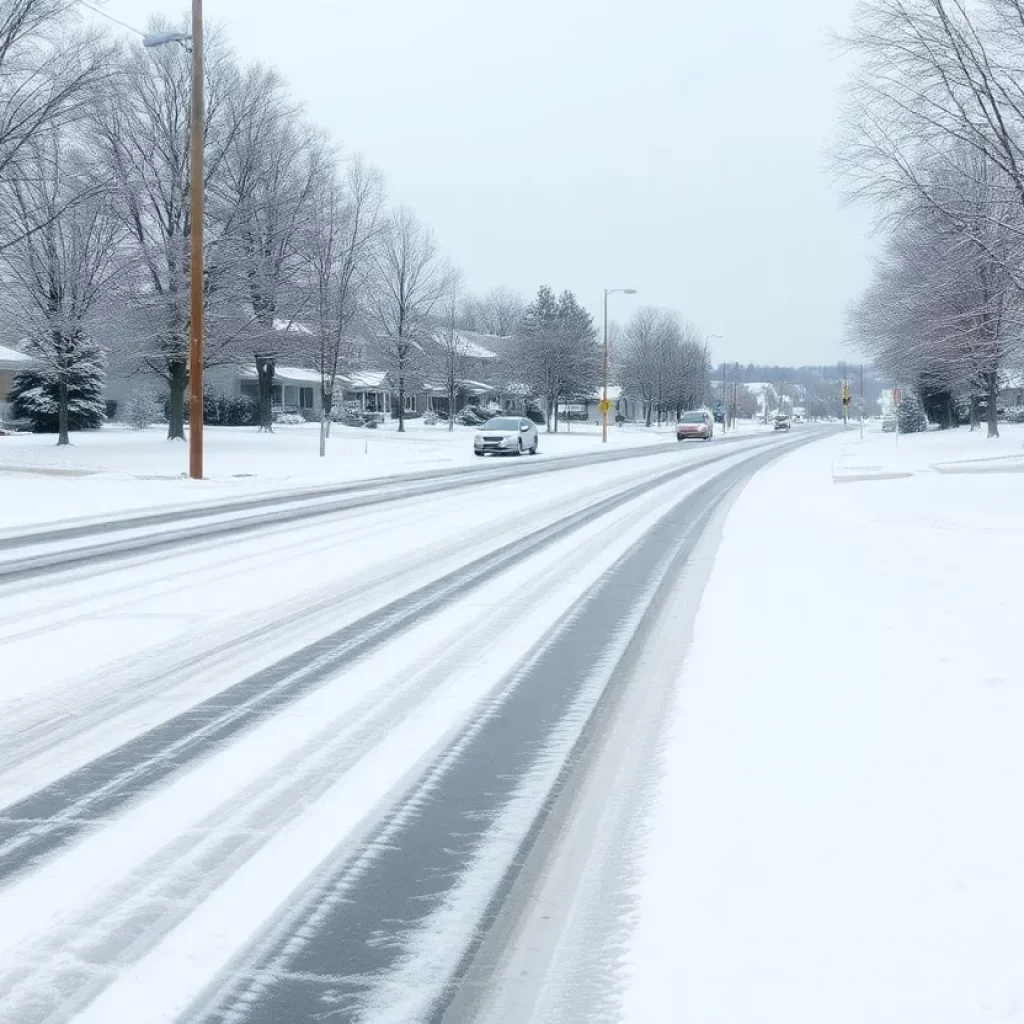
276	395
372	401
410	403
305	398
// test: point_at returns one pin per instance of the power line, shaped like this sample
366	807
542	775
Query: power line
110	17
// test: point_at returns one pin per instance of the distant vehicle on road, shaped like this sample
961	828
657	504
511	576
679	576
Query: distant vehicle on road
697	424
506	435
782	423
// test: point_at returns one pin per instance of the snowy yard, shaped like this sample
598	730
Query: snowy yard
115	470
837	835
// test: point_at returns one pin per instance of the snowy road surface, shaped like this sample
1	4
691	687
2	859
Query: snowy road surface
291	773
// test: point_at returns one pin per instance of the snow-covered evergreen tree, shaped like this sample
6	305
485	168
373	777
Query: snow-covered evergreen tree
911	414
35	393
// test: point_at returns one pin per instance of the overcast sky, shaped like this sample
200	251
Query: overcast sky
673	146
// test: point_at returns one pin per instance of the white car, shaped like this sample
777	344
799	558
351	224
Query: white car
506	435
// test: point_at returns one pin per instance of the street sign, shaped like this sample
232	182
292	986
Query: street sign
604	405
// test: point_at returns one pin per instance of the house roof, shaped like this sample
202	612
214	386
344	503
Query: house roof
11	359
370	379
288	374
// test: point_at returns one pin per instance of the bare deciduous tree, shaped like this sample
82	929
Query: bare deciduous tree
141	129
407	282
338	251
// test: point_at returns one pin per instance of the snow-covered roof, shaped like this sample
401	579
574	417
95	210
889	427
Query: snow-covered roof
475	351
614	393
287	374
365	379
1013	380
10	359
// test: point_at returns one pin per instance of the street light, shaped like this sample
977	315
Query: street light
195	356
604	396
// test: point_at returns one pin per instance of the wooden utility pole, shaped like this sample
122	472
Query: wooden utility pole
195	368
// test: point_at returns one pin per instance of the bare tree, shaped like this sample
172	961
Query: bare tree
497	313
338	250
265	200
49	70
141	129
449	355
62	266
406	284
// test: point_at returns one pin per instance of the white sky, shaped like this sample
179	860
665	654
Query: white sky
673	146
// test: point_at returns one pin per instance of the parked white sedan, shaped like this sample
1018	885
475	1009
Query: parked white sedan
506	435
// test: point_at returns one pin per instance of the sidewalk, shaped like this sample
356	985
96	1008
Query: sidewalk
837	833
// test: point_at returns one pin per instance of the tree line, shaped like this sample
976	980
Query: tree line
304	256
933	137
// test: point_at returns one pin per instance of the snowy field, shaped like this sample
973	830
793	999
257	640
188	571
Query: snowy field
115	470
837	836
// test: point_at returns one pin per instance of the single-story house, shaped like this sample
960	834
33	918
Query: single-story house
11	361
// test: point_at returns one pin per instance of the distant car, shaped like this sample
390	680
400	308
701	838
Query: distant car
782	423
696	424
506	435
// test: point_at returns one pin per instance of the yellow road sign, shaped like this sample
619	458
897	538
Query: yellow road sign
604	405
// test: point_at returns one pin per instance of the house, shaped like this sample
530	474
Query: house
11	361
1011	391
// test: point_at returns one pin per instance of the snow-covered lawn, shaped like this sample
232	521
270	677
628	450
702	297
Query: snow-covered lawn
114	469
943	451
838	833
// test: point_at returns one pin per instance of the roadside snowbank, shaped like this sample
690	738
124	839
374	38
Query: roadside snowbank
837	833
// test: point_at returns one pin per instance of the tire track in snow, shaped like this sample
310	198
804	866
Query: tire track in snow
51	964
379	937
40	824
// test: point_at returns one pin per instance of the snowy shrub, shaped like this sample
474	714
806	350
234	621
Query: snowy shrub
911	415
535	415
290	419
33	397
430	418
141	409
223	410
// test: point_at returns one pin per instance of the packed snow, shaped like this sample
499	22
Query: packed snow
836	833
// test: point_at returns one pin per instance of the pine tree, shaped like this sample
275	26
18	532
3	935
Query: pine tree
35	394
910	414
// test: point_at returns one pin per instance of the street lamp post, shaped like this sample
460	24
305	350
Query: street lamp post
604	393
195	358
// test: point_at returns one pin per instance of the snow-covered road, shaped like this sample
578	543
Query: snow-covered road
286	774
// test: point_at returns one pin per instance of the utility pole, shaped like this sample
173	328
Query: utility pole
195	370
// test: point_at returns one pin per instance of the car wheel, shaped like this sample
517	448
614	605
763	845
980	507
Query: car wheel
533	450
479	455
519	447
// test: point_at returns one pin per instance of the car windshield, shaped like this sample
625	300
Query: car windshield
500	423
693	417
